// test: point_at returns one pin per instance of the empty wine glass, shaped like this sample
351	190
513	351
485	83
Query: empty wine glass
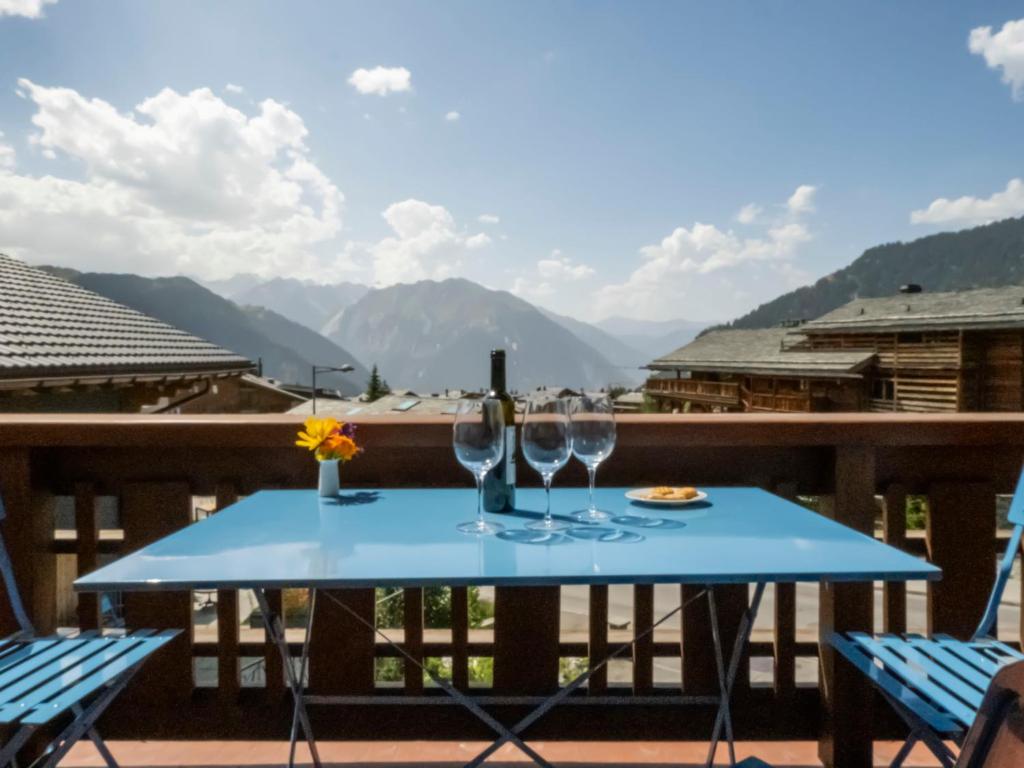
593	440
547	445
478	437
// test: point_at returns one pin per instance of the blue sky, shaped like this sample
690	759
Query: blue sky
615	143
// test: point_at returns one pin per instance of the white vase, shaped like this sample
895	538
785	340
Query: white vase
329	485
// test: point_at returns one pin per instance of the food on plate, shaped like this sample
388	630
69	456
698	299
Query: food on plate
671	493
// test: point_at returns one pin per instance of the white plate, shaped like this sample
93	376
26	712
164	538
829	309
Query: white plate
640	495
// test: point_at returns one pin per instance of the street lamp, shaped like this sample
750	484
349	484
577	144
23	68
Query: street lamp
346	368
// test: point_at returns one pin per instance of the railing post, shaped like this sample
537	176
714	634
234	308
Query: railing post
846	738
526	625
150	511
961	527
29	536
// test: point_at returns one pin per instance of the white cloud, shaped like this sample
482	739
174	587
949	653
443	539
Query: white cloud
232	88
802	200
7	154
974	210
1003	50
689	271
561	268
488	218
183	183
381	80
427	244
452	117
532	290
30	9
749	213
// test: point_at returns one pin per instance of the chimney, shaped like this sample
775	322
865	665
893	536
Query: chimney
911	288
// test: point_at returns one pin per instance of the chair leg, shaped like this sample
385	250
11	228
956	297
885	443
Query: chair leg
9	753
904	752
85	722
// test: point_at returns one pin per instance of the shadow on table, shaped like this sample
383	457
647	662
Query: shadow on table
351	499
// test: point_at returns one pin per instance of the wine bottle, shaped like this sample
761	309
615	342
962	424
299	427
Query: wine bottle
500	483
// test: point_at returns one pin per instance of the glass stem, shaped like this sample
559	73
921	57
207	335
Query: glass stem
591	475
480	499
547	494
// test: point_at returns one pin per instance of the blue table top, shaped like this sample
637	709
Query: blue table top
407	537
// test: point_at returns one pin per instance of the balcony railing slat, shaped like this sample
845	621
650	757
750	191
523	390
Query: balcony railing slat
643	647
413	630
228	667
598	638
698	661
460	638
894	533
86	550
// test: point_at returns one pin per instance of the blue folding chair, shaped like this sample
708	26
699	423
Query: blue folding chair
937	684
46	679
996	737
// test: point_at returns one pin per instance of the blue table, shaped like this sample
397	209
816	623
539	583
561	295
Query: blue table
407	538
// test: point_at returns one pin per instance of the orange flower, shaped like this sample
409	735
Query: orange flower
338	446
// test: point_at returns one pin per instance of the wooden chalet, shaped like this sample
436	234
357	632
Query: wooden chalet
924	352
757	370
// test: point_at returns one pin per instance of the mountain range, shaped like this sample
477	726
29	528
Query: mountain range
432	335
986	256
287	349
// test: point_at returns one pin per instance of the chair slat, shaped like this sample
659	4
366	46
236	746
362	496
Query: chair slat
932	670
914	679
951	661
13	679
62	671
939	721
89	684
18	652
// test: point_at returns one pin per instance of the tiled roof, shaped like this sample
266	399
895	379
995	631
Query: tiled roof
981	308
762	351
52	328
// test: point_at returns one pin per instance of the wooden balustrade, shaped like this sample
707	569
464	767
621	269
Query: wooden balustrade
156	467
718	392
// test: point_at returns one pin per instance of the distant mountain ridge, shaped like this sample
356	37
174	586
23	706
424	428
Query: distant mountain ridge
652	337
287	349
428	336
986	256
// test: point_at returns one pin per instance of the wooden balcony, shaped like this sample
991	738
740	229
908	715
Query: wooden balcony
146	476
711	392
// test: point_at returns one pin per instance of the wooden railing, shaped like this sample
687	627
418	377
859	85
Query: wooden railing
147	475
719	392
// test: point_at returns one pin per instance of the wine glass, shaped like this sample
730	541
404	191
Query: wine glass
593	440
547	445
478	437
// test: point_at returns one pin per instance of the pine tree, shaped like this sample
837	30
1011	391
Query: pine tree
376	387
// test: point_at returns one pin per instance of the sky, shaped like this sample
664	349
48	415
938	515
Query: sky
652	160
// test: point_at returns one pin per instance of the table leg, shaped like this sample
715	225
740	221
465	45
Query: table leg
275	629
303	664
728	678
511	734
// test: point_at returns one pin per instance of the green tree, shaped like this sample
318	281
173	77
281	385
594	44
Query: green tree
376	387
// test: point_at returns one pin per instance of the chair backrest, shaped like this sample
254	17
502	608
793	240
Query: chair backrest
1016	518
996	738
10	584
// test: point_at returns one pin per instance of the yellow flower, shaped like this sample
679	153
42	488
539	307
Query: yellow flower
317	430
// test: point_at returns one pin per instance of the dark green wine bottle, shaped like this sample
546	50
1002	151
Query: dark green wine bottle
500	483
